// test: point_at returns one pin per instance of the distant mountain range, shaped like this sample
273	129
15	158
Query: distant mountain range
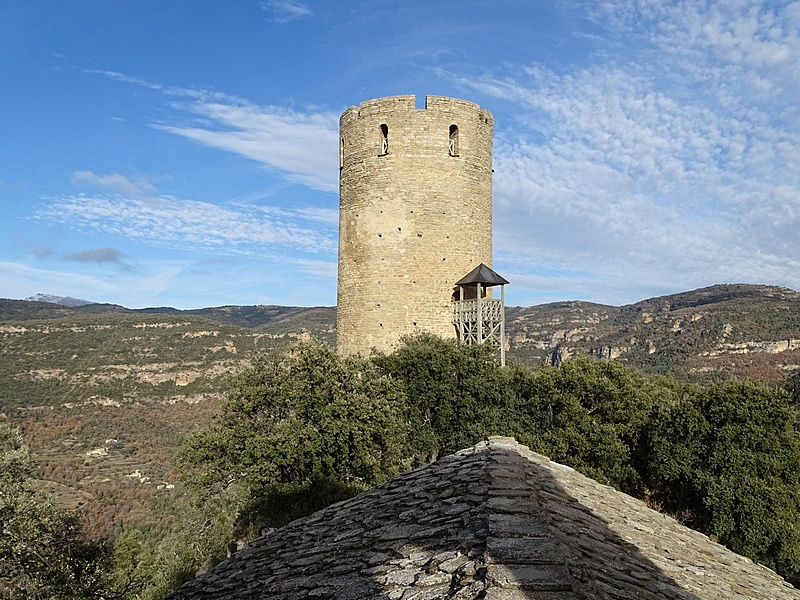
714	333
718	332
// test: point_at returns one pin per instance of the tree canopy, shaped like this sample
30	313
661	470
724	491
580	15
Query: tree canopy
307	426
727	458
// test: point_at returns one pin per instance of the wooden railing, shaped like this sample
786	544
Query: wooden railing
466	311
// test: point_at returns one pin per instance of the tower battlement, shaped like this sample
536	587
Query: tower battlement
415	215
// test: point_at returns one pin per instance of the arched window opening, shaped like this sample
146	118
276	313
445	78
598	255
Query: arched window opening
453	140
384	138
341	152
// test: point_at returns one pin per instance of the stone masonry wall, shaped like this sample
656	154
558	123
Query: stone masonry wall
413	217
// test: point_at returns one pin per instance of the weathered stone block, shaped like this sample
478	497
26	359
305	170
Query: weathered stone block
534	577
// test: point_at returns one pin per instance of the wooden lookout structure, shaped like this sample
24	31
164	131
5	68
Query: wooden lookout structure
479	319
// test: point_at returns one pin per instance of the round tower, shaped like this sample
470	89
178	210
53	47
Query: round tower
415	215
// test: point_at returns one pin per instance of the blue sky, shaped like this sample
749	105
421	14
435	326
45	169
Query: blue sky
185	153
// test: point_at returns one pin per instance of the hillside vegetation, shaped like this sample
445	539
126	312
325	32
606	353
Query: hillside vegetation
711	334
304	429
105	396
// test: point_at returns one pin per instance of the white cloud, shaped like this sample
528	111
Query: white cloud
322	269
734	51
138	187
188	224
325	217
301	146
115	75
283	11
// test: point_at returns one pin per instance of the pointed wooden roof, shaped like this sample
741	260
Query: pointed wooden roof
494	522
483	275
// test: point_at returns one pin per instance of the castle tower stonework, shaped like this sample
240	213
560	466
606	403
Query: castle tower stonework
415	215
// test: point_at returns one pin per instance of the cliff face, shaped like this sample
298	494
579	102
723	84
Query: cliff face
712	333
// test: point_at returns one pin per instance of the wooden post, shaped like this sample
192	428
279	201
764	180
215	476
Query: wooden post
502	325
480	316
461	314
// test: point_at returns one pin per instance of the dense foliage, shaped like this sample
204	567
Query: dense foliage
728	458
300	431
454	395
587	414
793	388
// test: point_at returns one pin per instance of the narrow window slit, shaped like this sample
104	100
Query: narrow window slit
453	146
384	139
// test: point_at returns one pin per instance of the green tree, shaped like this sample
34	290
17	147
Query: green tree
587	414
299	431
43	552
793	388
727	458
152	569
455	395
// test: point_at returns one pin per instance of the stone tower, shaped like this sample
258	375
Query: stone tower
415	215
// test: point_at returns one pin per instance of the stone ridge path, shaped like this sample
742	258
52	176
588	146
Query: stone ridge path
493	522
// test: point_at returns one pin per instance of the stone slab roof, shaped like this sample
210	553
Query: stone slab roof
494	522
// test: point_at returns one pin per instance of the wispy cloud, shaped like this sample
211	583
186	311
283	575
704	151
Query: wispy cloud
300	145
739	51
122	77
188	224
284	11
138	187
155	86
324	216
322	269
